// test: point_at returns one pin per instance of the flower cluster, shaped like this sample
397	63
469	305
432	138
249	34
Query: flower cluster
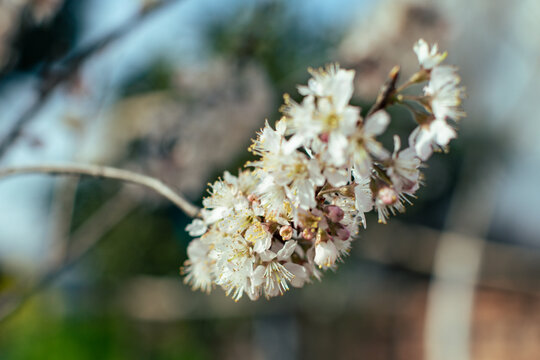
295	210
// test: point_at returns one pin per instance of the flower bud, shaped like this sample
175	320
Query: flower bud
334	213
387	195
286	232
324	137
343	233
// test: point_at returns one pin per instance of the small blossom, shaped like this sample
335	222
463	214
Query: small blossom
332	83
444	93
326	253
286	232
388	202
363	198
387	196
196	228
363	144
434	134
199	268
299	272
257	235
427	58
403	169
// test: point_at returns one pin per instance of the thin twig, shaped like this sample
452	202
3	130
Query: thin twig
61	211
109	173
64	70
386	92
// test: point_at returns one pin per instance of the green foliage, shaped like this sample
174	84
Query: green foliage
40	335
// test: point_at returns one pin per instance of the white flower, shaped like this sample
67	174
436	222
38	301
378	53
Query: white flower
273	199
363	145
260	237
303	176
403	168
326	253
272	275
234	265
427	58
314	125
224	198
352	217
324	114
435	133
295	172
343	246
333	83
388	201
300	122
269	140
444	93
363	198
335	176
198	268
311	266
196	228
299	272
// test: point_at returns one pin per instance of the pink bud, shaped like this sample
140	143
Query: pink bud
324	137
334	213
286	232
251	198
343	234
387	195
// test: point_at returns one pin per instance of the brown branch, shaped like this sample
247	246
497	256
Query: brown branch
109	173
386	92
57	73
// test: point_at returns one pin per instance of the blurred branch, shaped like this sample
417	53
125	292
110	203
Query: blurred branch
62	208
56	74
109	173
84	239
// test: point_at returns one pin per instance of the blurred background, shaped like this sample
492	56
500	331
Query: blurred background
89	269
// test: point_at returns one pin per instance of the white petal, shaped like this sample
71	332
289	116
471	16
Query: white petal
397	144
420	140
315	173
267	255
196	228
377	123
287	250
257	278
326	254
336	177
305	193
197	250
443	132
337	143
301	275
